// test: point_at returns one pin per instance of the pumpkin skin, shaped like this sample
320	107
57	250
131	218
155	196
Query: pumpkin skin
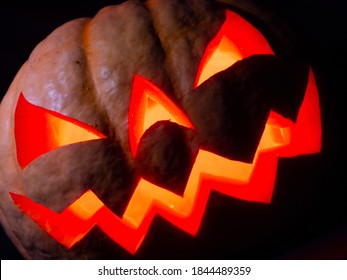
76	72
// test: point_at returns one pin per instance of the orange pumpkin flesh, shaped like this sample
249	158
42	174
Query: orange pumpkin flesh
100	83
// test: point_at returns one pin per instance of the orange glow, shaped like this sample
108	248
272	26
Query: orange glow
236	39
148	104
38	131
307	133
248	181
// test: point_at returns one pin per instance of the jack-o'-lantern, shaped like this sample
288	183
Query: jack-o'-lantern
142	112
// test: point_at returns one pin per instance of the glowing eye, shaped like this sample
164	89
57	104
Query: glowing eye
236	39
149	105
39	131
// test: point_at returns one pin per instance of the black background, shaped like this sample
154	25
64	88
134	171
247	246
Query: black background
308	215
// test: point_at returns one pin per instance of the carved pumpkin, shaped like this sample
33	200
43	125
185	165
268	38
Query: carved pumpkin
142	112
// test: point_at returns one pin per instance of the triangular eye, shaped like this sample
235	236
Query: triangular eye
148	105
39	131
236	39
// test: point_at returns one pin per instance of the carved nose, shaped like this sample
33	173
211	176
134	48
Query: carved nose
166	155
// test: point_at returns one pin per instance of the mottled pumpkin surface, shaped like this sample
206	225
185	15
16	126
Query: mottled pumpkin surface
84	69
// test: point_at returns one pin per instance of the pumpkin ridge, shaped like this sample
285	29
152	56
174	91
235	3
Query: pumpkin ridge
165	46
171	93
89	74
112	198
172	23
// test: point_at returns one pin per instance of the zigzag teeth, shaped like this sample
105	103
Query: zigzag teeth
252	182
186	212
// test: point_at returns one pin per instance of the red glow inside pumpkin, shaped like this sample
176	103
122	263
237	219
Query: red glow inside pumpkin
147	106
252	182
248	181
236	39
39	131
